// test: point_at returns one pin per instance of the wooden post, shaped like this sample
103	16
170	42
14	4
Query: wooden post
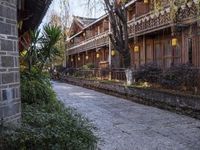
110	53
144	48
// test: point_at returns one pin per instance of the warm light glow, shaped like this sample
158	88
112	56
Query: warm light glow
72	59
87	57
79	58
113	53
97	55
174	41
136	49
146	1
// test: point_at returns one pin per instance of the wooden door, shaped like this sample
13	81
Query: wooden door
158	53
149	51
167	48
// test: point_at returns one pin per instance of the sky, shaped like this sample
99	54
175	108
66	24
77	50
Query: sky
77	8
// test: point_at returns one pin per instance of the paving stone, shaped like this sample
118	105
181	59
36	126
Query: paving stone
125	125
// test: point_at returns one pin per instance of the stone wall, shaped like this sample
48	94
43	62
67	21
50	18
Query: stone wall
10	105
180	103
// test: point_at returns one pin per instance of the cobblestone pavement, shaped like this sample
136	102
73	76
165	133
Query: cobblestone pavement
125	125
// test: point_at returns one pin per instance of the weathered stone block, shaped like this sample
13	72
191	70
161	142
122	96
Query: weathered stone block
11	109
7	45
8	12
17	77
7	61
8	78
5	28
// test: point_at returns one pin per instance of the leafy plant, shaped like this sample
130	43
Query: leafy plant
49	127
150	72
40	48
88	66
51	36
36	87
180	75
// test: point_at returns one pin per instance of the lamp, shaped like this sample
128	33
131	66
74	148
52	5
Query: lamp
146	1
79	58
86	57
174	41
113	52
136	48
97	55
72	59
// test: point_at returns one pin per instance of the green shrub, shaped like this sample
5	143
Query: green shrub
36	88
148	73
180	75
88	66
49	127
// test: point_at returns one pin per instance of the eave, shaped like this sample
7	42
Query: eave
31	13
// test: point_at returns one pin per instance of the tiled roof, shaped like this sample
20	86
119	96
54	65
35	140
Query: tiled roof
85	21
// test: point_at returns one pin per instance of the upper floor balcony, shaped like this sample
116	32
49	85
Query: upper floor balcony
94	42
147	23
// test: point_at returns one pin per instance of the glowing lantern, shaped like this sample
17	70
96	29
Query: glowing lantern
146	1
136	49
72	59
113	53
174	41
79	58
86	57
97	55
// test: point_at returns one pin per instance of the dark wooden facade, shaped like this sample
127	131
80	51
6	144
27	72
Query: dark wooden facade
149	31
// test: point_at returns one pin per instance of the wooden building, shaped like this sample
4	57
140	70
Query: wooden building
150	36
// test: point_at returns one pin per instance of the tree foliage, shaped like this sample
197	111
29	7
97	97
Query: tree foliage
40	48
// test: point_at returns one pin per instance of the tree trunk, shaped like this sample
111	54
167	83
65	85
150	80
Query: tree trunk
126	59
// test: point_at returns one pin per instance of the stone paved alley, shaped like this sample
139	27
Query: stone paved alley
125	125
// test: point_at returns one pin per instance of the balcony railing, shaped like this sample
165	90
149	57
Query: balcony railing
91	43
149	22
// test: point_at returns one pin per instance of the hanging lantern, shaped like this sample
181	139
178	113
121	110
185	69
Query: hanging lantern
84	34
136	49
86	57
97	55
174	41
72	59
79	58
146	1
113	52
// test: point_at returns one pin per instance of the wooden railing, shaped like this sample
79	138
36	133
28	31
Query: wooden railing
149	22
93	42
116	74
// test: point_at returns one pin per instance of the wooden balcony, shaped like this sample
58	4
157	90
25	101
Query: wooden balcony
91	43
149	23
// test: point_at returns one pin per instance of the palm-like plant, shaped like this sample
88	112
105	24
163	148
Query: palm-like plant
51	36
29	56
41	48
